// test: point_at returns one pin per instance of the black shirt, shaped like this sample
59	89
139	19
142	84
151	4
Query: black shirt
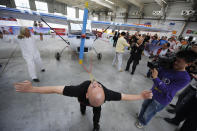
80	91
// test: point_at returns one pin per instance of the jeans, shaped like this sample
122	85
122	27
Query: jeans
148	110
119	57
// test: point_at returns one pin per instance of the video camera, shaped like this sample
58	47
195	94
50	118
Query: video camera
166	62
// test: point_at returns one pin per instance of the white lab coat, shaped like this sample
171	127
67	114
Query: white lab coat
31	55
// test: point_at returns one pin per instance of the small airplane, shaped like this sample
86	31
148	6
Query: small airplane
74	27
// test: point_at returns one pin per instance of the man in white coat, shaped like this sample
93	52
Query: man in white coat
30	53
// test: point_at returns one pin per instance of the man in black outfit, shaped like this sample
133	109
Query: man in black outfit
89	93
188	113
136	52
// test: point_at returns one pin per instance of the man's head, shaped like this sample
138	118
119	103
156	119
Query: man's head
95	94
170	39
166	46
123	34
24	31
1	35
154	37
183	59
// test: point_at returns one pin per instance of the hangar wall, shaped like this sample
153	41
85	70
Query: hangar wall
174	20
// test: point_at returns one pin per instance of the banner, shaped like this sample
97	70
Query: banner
191	32
60	31
15	30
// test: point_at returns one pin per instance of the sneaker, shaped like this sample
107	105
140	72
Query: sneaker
121	70
171	121
36	80
43	70
139	125
132	73
172	111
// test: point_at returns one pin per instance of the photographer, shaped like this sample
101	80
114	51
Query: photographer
166	83
136	53
186	97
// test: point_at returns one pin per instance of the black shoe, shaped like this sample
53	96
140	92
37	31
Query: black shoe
96	127
126	70
172	105
83	112
132	73
43	70
36	80
171	121
172	111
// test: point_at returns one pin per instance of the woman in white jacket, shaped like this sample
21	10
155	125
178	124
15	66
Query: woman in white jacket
30	52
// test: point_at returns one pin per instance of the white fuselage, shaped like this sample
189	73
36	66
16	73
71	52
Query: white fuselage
75	42
74	36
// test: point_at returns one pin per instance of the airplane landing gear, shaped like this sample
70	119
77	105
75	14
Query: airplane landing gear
99	56
57	56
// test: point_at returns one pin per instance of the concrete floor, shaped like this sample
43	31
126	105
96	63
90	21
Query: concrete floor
35	112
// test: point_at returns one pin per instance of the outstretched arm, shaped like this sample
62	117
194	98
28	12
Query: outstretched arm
144	95
26	86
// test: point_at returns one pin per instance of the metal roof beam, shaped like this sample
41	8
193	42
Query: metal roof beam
103	3
136	3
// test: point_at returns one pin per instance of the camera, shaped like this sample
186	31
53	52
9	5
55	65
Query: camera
192	69
166	62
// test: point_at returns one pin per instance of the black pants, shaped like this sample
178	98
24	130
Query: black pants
135	63
190	123
184	97
96	114
189	114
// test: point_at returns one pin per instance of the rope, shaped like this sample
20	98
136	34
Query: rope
92	78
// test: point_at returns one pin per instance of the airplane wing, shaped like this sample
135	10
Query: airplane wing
50	18
119	26
32	15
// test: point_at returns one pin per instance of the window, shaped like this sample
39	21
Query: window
41	6
71	12
81	14
22	4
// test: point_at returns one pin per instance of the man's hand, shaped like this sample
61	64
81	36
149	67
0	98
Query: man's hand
154	73
146	94
24	86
